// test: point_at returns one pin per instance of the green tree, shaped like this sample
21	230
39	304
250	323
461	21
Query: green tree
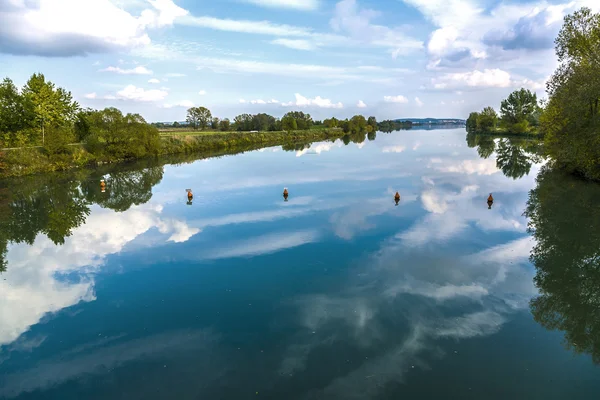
372	122
571	118
288	123
263	122
517	110
16	116
224	125
51	105
331	123
486	120
566	256
472	122
243	123
214	123
198	117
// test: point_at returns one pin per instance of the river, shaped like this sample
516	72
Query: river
135	292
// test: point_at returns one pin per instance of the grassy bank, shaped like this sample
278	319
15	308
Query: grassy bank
27	161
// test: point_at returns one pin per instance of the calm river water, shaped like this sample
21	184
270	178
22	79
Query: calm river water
336	293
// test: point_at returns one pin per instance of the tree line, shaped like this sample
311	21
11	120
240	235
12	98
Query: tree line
519	114
569	119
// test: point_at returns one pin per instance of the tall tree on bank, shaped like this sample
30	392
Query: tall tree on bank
517	110
51	106
198	117
571	119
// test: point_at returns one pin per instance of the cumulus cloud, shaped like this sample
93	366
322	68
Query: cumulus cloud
488	78
133	71
130	92
67	28
361	104
418	102
154	80
90	95
319	102
202	92
395	99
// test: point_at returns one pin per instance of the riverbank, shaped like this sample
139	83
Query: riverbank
28	161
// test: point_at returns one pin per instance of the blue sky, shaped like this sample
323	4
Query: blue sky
388	58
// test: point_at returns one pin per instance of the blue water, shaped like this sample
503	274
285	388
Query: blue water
335	294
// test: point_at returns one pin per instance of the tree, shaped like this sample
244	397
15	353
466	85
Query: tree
303	121
224	125
263	122
16	115
243	122
487	120
331	123
571	118
214	123
372	122
288	123
472	122
517	109
51	105
199	117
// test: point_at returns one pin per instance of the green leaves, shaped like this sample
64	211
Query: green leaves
198	117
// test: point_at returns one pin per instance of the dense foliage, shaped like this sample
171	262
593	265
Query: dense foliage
571	119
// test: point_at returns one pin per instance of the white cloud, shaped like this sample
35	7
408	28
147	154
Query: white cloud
134	71
361	104
202	92
130	92
297	44
395	99
175	75
488	78
418	102
184	103
73	27
319	102
154	80
90	95
293	4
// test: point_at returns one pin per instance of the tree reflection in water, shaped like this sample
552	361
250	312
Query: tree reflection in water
564	218
56	204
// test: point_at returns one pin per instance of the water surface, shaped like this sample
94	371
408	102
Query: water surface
337	293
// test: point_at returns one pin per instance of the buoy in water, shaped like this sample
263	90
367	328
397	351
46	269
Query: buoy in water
491	198
285	194
189	194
